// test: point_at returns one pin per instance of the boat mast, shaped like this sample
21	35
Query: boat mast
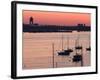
89	42
76	46
67	43
62	42
82	57
53	55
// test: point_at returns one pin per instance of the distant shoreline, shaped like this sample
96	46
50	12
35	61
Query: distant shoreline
32	28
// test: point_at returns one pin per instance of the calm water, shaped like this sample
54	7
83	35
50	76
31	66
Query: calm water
40	50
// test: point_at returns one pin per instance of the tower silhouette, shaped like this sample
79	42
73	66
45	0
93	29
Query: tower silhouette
31	20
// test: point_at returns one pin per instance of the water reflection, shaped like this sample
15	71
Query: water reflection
41	50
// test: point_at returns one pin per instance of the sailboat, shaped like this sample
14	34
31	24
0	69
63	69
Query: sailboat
78	47
65	52
89	48
78	57
68	49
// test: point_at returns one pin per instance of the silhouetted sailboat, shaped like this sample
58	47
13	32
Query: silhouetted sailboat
68	49
89	48
65	52
77	46
77	58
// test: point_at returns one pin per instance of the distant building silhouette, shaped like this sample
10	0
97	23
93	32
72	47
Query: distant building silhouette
81	25
31	20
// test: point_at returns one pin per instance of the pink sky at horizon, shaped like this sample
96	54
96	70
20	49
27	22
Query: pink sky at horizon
57	18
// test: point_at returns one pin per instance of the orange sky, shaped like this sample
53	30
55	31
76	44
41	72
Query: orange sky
57	18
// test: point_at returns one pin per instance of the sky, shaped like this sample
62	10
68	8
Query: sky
57	18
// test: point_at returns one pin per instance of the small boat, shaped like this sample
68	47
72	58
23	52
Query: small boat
68	50
77	46
65	52
79	55
77	58
88	49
